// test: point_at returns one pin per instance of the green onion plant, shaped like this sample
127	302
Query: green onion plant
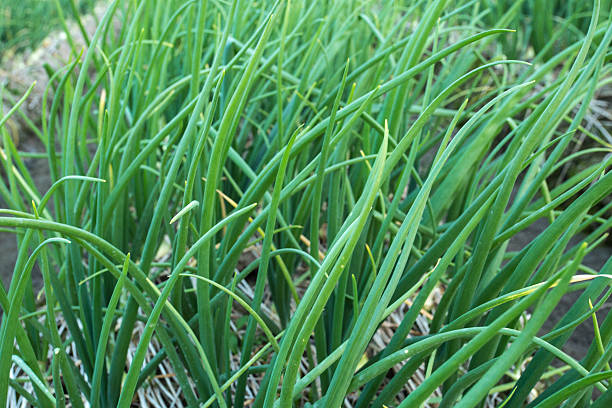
315	203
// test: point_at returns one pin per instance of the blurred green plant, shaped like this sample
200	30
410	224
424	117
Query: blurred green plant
25	23
548	26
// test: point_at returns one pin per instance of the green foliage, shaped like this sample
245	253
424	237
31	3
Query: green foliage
25	23
369	153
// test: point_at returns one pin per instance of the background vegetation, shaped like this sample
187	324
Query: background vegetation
25	23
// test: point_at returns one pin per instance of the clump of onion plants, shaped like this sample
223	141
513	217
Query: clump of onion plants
245	196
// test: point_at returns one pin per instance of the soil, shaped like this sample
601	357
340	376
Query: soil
39	171
580	341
